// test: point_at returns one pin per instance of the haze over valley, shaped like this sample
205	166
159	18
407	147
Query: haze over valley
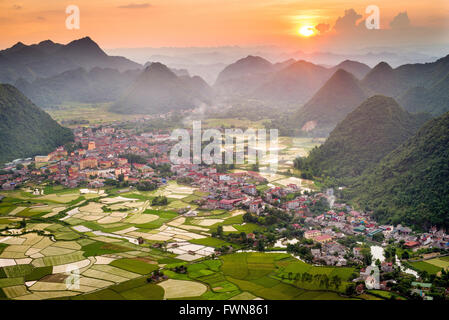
224	150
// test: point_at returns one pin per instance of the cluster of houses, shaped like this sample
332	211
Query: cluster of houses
224	190
96	159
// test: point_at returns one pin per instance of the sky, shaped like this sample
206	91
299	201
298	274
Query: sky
334	25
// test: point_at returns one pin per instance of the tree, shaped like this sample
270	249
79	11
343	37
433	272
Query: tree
159	201
378	263
260	246
248	217
350	289
367	256
423	274
336	281
405	255
146	186
220	231
133	158
379	237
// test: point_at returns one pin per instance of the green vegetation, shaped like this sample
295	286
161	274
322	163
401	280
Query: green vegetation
26	130
38	273
135	265
424	266
434	99
410	184
211	242
99	248
238	276
361	140
340	95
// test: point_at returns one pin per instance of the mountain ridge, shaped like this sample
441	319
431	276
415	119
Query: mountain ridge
363	138
26	130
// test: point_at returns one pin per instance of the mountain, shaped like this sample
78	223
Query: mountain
26	130
363	138
158	89
340	95
434	100
383	80
358	69
47	59
79	85
288	82
420	87
411	184
243	76
178	72
296	83
283	64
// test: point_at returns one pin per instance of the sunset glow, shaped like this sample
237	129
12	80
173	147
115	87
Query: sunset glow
179	23
306	31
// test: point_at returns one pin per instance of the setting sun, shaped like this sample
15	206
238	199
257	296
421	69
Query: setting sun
306	31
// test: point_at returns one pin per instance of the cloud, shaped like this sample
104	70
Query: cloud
400	21
136	6
17	7
322	27
348	21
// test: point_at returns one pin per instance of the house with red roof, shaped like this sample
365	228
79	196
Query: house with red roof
411	244
293	204
255	206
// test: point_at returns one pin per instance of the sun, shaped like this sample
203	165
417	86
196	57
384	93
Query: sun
306	31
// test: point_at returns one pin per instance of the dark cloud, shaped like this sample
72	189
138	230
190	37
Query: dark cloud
348	21
136	6
41	18
322	27
17	7
400	21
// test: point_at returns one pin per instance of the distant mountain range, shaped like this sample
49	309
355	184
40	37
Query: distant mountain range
363	138
51	74
291	81
207	62
78	85
26	130
418	87
47	59
158	89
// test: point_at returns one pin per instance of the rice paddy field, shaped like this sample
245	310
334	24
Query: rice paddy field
106	242
432	266
49	240
95	114
240	276
45	238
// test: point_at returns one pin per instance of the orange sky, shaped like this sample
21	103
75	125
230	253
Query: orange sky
181	23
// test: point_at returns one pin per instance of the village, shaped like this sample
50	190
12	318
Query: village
307	223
